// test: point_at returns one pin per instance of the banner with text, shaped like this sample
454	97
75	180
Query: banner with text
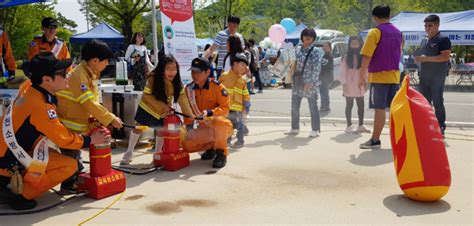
414	38
179	37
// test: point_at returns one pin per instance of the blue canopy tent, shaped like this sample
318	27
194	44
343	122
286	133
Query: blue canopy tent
9	3
103	32
458	26
295	36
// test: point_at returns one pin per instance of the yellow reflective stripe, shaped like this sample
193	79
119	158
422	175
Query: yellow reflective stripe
239	91
100	156
147	90
67	95
236	107
73	125
148	109
246	92
85	96
182	91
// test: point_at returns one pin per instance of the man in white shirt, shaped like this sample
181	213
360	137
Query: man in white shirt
220	42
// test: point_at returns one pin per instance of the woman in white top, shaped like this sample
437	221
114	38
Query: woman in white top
137	56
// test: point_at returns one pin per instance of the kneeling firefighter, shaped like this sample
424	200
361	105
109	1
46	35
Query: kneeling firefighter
28	166
208	99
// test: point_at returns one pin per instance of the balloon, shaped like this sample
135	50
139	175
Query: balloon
289	25
277	33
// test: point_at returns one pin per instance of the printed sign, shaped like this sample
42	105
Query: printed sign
179	36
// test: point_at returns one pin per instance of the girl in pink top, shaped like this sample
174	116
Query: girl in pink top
349	78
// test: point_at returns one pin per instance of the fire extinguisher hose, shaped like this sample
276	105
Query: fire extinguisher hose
62	201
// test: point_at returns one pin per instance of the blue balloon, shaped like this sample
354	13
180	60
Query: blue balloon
289	25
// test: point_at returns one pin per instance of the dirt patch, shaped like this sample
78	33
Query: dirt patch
167	208
313	178
233	176
210	172
196	203
134	197
164	208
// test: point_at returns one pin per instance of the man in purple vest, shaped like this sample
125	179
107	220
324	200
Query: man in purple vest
381	56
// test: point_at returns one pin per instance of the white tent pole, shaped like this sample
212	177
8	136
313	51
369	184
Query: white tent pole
155	38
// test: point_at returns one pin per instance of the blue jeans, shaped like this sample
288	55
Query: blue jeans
433	89
237	119
313	109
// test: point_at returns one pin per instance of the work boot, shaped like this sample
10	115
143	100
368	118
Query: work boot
208	154
220	159
69	188
16	202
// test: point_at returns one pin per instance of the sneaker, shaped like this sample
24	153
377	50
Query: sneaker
363	129
15	201
371	144
127	158
292	132
349	129
314	134
237	144
260	91
252	93
208	154
220	160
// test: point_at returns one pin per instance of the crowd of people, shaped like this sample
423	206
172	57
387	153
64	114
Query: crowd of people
57	101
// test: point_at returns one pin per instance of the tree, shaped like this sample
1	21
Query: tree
122	14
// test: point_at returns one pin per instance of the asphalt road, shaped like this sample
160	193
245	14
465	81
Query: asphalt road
275	103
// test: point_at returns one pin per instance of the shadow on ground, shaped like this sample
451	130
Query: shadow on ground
286	142
372	157
403	206
346	137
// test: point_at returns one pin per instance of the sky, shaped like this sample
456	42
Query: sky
70	10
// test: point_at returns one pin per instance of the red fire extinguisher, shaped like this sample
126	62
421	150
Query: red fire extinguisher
172	126
100	155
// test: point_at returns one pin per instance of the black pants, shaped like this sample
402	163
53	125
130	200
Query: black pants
75	154
360	109
433	89
324	92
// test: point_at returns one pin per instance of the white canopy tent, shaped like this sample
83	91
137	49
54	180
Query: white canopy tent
458	26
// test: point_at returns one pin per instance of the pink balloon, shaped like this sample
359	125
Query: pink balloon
277	33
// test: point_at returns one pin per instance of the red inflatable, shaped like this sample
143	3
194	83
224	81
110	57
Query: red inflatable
419	153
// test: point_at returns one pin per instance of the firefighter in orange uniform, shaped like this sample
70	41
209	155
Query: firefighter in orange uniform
48	42
28	167
7	61
208	99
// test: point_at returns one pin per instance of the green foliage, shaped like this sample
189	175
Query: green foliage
124	15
